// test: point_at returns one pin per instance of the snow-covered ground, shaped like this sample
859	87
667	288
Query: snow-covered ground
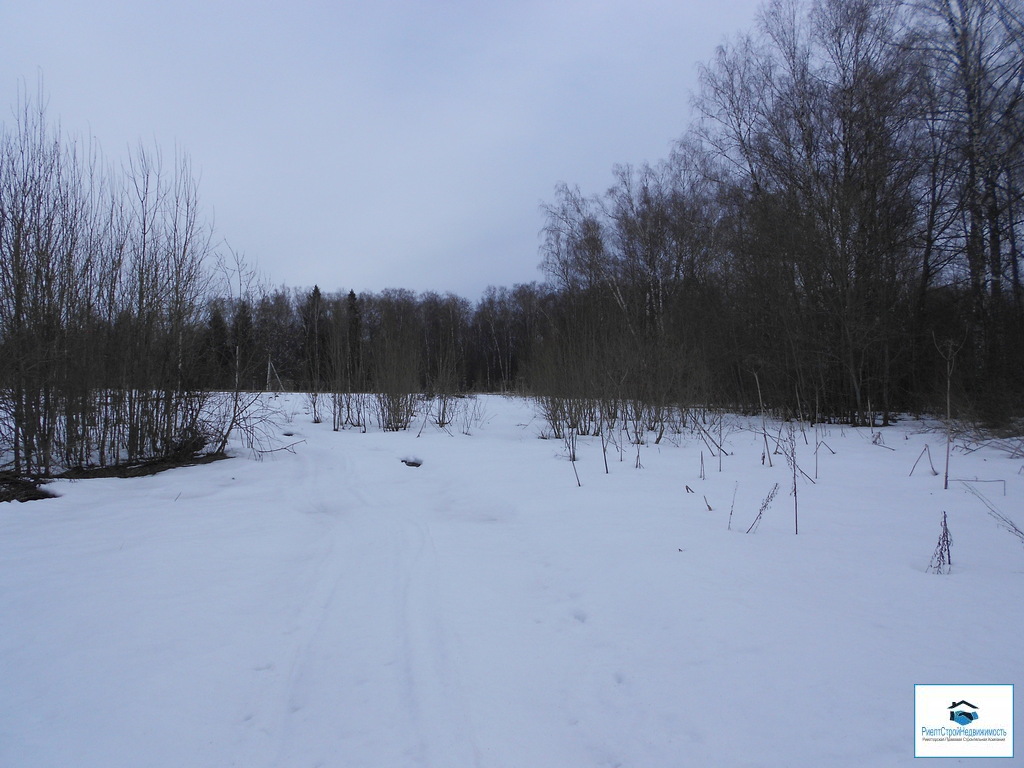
333	606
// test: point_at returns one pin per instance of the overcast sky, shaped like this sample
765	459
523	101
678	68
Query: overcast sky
367	145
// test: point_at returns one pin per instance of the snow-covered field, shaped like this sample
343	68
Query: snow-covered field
335	607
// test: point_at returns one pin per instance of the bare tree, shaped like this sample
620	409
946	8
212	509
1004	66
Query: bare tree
101	283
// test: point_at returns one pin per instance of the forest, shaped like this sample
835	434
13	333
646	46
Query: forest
836	237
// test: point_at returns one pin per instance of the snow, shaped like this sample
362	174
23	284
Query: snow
332	606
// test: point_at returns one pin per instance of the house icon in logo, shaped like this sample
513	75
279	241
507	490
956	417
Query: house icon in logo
963	712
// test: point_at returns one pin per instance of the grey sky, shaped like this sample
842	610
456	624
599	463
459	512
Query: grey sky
398	143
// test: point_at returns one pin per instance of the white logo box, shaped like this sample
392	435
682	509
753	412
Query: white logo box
972	720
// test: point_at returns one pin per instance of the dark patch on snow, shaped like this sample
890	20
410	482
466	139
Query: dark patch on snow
141	469
13	488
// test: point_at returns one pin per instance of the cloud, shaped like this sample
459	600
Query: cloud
366	145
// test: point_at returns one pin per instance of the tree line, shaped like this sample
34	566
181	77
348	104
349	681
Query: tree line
102	276
835	237
393	341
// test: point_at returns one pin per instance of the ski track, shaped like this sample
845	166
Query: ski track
369	666
333	608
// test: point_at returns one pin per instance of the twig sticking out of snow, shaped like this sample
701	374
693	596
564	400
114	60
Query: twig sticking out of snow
290	448
941	561
876	439
732	506
928	451
1004	522
764	505
976	480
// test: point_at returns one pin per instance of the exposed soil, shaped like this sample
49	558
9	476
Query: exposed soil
15	488
19	489
141	469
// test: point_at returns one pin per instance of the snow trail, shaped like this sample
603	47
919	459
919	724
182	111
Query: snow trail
370	677
334	607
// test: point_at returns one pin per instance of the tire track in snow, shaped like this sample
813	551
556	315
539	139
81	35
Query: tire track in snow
279	700
438	703
369	677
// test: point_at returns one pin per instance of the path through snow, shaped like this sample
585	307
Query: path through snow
335	607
